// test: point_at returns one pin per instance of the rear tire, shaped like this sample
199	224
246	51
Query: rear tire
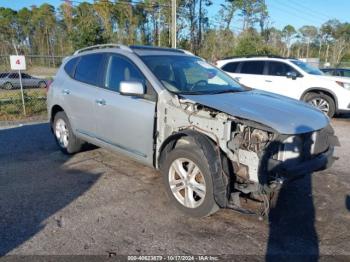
42	84
321	101
64	136
188	181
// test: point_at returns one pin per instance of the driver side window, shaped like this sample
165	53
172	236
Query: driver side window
120	69
25	76
279	69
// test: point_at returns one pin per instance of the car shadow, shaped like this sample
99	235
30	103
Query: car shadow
34	184
292	233
347	202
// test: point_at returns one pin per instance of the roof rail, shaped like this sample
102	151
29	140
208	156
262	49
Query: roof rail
156	48
186	52
252	56
124	47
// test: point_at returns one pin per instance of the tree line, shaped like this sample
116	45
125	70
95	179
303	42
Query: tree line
241	27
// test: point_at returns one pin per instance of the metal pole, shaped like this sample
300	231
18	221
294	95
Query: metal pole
20	82
173	23
158	25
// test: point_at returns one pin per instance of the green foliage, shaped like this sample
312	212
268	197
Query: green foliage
251	43
87	29
44	30
11	107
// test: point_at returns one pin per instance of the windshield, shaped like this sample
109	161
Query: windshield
190	75
307	68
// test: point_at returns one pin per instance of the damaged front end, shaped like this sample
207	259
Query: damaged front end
267	159
258	158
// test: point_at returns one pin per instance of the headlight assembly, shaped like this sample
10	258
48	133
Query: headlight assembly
345	85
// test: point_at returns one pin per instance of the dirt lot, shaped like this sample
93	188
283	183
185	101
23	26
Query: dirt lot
98	202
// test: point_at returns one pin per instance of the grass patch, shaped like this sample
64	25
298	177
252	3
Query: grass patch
11	104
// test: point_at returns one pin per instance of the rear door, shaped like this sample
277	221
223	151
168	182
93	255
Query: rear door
13	78
276	80
251	74
232	69
79	93
125	123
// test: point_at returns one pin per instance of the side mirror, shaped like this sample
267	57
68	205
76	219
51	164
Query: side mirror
131	88
293	75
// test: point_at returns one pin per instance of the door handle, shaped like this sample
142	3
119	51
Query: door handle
268	81
101	102
66	91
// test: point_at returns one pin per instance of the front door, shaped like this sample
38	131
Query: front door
276	80
125	122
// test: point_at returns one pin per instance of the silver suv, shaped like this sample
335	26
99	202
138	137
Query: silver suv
212	139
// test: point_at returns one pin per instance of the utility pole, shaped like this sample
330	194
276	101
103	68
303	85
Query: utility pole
158	33
173	23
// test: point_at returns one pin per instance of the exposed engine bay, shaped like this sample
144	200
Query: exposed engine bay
254	151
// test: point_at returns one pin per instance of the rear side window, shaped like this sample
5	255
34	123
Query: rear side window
89	68
253	67
70	67
230	67
279	69
120	69
13	75
3	75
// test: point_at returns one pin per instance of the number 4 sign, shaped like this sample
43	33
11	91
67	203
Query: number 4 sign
18	62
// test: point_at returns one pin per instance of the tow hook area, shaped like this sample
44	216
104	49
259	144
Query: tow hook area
260	204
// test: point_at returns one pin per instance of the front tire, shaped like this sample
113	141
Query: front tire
188	181
321	101
65	138
8	86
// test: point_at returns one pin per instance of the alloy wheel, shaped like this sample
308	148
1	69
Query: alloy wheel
187	183
321	104
62	133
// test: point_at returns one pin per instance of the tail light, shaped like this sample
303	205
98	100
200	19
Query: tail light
48	84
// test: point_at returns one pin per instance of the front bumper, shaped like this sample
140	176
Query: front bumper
291	171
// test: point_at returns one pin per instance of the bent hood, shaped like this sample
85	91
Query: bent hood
285	115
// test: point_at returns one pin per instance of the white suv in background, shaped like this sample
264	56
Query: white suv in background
292	78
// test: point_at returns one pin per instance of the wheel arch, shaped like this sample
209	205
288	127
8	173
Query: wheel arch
171	141
321	90
209	148
54	110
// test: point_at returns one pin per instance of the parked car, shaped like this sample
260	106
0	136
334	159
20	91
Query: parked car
211	138
342	72
292	78
10	80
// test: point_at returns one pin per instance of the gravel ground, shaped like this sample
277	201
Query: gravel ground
97	202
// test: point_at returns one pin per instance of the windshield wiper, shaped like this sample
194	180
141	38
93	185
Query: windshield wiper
209	92
226	91
193	93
